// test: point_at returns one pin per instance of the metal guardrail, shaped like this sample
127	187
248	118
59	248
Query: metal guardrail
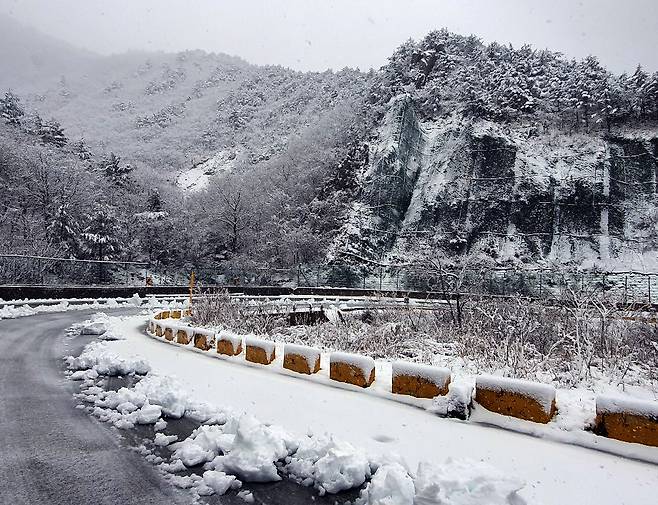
119	277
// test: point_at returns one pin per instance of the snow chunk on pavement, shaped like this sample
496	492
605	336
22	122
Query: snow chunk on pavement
391	485
162	440
256	449
219	482
331	465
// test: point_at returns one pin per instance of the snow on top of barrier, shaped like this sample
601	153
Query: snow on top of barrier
204	331
544	394
266	345
187	329
624	405
438	376
230	337
310	354
365	363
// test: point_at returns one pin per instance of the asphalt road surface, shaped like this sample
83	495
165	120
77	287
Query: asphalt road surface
52	453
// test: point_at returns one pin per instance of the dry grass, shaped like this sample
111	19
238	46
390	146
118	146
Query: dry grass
568	345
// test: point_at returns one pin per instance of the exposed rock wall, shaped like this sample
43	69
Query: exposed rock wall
506	194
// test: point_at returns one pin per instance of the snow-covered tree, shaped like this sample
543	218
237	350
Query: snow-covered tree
65	230
114	170
101	236
10	109
81	150
51	132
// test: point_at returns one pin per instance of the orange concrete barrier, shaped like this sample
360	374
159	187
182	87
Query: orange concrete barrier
229	344
184	335
164	314
352	369
169	333
175	314
204	339
420	381
158	316
627	419
301	359
260	351
527	400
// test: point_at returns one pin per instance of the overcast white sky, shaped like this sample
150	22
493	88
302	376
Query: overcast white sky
320	34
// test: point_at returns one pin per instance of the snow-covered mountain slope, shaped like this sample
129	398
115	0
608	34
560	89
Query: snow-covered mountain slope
507	194
165	111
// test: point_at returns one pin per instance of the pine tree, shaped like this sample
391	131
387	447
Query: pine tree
51	132
64	229
637	88
81	150
114	170
101	236
10	109
154	202
651	92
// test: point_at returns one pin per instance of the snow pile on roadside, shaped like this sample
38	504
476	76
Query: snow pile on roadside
98	358
232	448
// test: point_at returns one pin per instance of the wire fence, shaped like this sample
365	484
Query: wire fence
624	287
16	269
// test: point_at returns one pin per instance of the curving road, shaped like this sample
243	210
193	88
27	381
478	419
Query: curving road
50	452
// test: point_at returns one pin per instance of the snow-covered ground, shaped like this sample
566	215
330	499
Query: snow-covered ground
198	177
409	450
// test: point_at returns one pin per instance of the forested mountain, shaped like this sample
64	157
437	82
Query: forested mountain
485	152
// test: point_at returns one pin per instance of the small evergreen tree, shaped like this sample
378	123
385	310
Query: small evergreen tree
154	202
65	230
10	109
114	170
51	132
101	237
81	150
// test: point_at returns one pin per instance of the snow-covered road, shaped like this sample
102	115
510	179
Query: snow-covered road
50	452
555	474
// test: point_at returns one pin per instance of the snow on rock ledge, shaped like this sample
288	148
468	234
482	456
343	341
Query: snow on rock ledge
527	400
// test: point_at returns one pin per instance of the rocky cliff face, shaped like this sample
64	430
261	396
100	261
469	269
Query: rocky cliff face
503	194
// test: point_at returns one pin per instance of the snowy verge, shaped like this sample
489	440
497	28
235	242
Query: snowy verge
572	425
236	447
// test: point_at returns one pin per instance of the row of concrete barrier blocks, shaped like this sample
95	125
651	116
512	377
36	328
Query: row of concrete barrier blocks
626	420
